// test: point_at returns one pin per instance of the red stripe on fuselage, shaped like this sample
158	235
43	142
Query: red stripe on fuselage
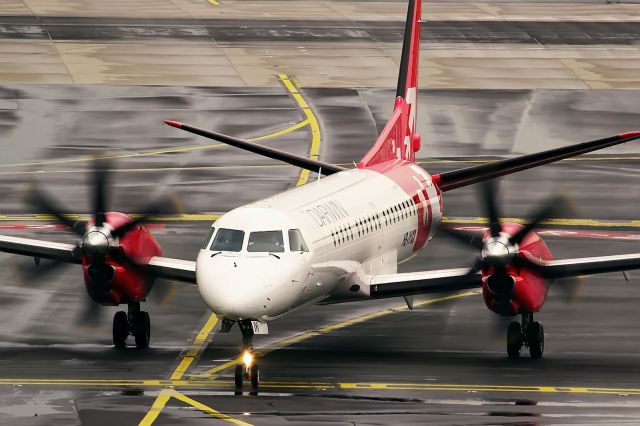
412	182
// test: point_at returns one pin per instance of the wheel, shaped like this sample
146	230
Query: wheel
254	372
120	329
142	329
239	378
514	340
535	340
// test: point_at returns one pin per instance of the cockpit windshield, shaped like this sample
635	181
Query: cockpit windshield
296	242
266	241
228	240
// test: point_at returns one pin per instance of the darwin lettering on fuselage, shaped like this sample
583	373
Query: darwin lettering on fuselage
326	213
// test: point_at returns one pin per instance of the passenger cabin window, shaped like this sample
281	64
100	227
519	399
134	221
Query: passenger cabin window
296	242
266	241
207	238
228	240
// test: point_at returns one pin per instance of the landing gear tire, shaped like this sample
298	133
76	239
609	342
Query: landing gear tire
142	329
535	340
254	374
120	329
239	379
514	340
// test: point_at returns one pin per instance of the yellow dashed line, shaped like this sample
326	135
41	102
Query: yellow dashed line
214	2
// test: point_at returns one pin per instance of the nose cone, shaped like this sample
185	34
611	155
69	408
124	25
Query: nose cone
241	287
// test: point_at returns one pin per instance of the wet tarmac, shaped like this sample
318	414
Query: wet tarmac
364	363
237	31
376	362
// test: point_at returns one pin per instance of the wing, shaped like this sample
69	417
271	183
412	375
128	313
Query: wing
40	249
161	267
355	285
412	283
566	268
173	269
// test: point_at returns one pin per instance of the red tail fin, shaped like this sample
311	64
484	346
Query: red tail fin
398	140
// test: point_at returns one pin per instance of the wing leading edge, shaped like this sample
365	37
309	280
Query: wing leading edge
455	280
160	267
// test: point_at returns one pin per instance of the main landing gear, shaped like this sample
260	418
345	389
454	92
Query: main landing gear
248	369
136	323
528	333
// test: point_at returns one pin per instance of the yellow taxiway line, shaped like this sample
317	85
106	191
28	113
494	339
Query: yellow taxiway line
169	392
214	372
211	217
214	2
275	134
314	150
199	344
201	339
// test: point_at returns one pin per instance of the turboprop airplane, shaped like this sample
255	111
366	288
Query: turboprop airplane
336	240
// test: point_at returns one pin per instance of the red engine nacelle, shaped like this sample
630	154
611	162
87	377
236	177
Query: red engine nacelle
529	290
112	283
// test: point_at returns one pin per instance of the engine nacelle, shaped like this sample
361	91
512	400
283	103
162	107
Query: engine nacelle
111	282
521	289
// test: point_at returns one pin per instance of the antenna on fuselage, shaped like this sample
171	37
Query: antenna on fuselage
319	174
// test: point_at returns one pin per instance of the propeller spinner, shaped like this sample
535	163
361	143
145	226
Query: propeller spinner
499	250
98	240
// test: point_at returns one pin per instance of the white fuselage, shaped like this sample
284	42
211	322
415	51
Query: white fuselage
357	222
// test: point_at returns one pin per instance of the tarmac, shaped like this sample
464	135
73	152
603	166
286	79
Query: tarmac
364	363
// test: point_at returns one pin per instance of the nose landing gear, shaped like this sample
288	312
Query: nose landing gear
248	369
528	333
135	323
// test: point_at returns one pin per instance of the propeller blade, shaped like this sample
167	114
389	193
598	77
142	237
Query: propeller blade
101	167
26	272
466	238
489	199
163	205
42	203
119	256
163	292
550	208
569	288
91	314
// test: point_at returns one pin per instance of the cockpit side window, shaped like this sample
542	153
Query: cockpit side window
228	240
266	241
207	238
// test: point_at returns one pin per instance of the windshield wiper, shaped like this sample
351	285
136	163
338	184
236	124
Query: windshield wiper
215	254
274	255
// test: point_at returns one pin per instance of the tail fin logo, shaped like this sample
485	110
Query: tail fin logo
398	140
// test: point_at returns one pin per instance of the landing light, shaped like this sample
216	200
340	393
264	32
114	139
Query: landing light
247	359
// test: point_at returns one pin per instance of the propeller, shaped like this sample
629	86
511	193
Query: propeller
499	250
98	239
